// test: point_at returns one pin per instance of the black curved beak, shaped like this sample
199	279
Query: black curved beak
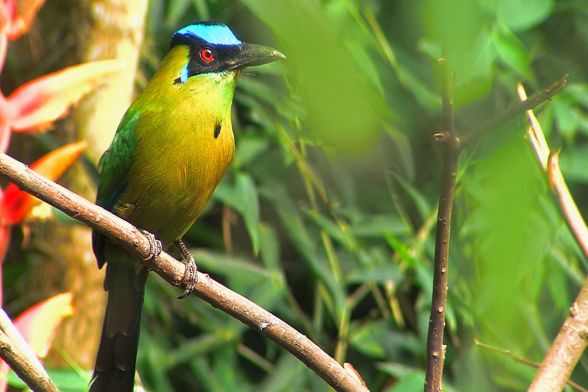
249	55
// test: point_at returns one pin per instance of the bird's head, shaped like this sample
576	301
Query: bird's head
214	49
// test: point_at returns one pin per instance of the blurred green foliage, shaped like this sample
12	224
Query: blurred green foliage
327	216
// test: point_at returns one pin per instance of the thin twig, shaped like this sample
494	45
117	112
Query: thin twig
435	347
21	359
523	361
570	343
172	271
513	111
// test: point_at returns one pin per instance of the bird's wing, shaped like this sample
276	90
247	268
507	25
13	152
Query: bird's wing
114	166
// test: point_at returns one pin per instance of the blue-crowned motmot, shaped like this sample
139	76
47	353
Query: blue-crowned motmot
170	151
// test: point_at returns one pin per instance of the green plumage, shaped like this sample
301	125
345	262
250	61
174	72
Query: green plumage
159	172
169	152
165	160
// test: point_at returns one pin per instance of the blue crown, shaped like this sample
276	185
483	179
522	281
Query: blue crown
213	33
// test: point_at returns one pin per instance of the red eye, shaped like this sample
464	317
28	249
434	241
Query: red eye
207	55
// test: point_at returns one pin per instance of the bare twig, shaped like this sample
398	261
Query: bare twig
172	271
550	163
452	147
21	359
516	109
524	361
435	347
570	343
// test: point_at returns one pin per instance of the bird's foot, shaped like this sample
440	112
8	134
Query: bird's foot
155	247
190	277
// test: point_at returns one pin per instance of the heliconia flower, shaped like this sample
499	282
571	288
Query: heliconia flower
15	203
39	323
38	326
7	8
21	16
35	105
15	20
4	26
4	244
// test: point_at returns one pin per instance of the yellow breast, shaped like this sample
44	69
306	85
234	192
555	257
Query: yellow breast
184	146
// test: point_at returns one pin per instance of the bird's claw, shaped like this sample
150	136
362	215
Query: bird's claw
190	277
155	247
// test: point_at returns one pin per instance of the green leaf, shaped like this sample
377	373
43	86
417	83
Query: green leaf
578	92
463	30
299	234
237	268
401	249
521	15
270	248
202	9
242	197
565	115
176	9
190	349
67	380
395	369
287	375
325	72
224	367
574	163
411	382
407	72
420	200
334	231
512	52
379	341
375	273
250	148
375	226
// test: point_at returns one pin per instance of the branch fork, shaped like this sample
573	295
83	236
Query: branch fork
453	145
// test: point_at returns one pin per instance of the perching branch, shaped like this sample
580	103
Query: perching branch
18	355
516	109
435	347
570	343
172	271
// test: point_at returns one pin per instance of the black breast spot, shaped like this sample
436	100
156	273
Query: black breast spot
217	130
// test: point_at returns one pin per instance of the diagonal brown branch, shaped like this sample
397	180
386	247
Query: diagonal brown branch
570	343
21	359
172	271
517	109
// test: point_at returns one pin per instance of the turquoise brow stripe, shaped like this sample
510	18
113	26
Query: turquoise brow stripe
213	34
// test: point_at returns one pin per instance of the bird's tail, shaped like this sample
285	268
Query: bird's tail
117	354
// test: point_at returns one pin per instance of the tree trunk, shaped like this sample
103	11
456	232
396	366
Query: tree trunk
108	29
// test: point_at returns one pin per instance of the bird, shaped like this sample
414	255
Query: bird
172	147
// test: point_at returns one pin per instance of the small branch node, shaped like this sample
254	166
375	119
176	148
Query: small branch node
441	137
574	310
